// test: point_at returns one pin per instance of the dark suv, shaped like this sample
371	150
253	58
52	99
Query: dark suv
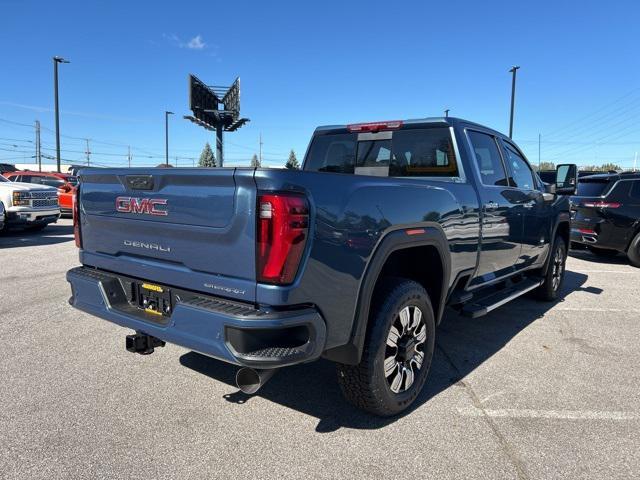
606	214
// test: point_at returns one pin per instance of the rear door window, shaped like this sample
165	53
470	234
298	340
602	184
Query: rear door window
635	190
488	159
591	187
423	152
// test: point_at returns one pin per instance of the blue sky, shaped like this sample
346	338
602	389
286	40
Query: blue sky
305	64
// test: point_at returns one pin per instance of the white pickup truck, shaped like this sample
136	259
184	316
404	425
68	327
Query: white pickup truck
27	205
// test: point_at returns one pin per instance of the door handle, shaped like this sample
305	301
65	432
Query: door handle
490	205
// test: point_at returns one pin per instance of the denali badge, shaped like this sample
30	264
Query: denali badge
148	246
142	206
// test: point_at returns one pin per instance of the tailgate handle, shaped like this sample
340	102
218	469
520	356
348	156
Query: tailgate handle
139	182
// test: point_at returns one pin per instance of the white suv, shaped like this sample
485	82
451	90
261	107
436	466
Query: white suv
28	205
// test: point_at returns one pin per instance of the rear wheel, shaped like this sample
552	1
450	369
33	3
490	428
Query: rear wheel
397	352
550	288
634	251
3	218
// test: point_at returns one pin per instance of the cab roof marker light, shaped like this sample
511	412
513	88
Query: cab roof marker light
375	126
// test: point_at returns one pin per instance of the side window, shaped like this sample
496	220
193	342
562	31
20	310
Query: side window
26	178
423	152
522	174
488	159
635	190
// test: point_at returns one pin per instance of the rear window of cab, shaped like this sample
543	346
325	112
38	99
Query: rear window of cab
419	152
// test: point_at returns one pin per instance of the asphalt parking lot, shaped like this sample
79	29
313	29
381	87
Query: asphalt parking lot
530	391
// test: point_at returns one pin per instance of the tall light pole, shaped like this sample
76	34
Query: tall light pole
166	136
56	61
513	70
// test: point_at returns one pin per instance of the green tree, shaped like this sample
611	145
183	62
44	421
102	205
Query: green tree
610	166
547	166
255	162
292	163
206	157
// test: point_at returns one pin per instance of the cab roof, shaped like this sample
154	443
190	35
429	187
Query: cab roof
446	121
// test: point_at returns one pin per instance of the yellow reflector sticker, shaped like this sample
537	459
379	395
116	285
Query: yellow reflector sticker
154	288
151	310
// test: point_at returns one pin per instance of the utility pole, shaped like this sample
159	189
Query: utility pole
513	70
129	155
260	156
38	146
88	152
166	136
176	161
635	162
56	61
539	142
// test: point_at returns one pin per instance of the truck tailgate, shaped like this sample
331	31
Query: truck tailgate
190	228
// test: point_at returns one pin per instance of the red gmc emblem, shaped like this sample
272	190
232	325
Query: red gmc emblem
142	206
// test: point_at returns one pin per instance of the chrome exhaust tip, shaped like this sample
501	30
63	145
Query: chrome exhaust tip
249	380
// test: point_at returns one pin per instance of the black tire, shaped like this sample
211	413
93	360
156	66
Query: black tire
366	385
603	252
554	276
633	253
3	219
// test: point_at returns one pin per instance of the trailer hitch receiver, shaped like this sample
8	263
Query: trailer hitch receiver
142	343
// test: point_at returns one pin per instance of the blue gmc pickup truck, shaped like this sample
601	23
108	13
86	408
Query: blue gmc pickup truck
353	259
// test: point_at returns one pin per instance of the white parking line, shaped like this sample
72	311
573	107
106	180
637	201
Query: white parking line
587	309
605	271
553	414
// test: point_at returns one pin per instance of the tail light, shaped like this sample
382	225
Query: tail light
601	204
76	217
283	227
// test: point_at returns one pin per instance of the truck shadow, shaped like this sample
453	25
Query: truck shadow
462	345
51	235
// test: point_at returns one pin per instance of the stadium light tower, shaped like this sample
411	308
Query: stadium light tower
56	61
513	70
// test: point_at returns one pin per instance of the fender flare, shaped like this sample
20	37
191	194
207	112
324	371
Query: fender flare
398	239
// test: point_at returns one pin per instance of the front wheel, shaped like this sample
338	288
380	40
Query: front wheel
397	352
550	288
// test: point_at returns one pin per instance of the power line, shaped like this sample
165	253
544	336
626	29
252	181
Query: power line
557	131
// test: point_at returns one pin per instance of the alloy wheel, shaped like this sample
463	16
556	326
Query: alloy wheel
404	354
558	269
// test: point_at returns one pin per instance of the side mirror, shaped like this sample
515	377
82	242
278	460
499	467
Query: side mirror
566	179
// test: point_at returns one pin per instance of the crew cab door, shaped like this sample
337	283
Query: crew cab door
537	214
501	236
